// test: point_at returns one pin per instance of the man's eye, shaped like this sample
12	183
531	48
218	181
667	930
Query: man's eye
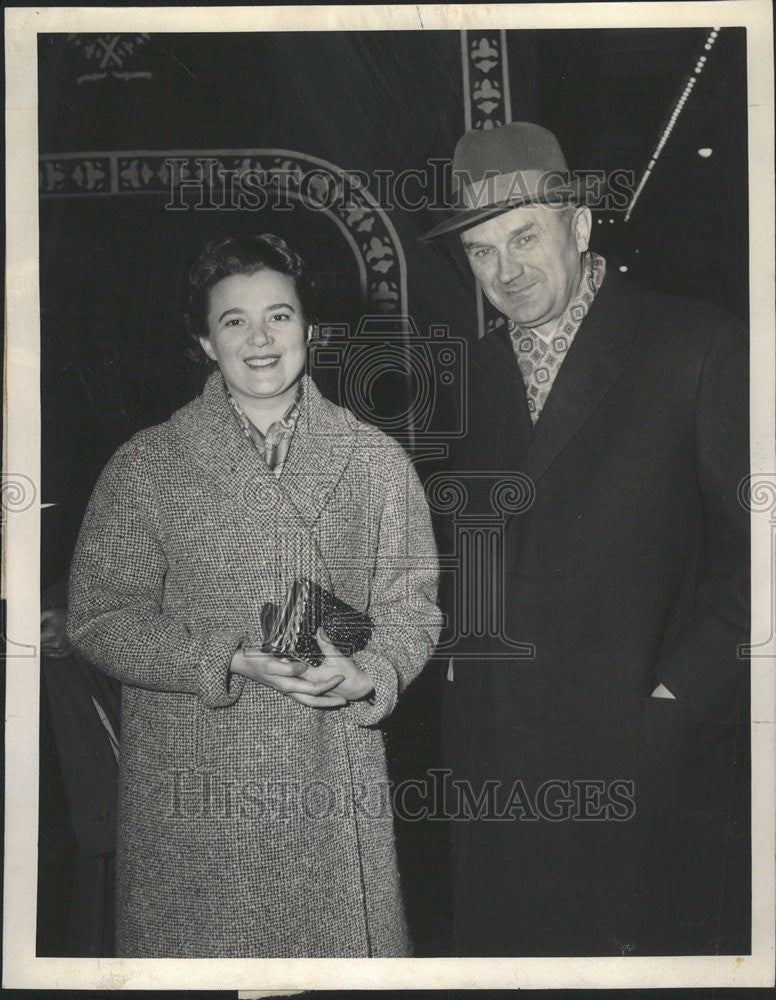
279	316
234	321
528	238
482	252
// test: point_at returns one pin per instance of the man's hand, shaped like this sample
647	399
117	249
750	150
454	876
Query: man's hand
284	676
354	685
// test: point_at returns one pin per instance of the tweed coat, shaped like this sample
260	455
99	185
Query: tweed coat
249	824
628	568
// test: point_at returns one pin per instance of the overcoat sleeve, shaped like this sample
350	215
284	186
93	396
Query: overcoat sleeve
702	667
115	615
403	602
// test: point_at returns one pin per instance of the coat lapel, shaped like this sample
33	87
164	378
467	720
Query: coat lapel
320	450
587	375
501	392
217	443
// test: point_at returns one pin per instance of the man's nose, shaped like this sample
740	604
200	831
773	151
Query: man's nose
509	267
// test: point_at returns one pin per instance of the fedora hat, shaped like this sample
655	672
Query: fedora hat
498	169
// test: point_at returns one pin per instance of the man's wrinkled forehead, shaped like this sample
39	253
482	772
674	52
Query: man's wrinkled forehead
521	218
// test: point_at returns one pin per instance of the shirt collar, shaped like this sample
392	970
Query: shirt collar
251	430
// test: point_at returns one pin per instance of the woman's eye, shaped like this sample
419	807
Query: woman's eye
233	322
279	316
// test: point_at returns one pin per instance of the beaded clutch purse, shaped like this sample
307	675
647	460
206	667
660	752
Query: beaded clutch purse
289	630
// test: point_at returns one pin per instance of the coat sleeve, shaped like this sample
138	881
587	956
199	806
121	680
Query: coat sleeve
115	609
403	601
704	667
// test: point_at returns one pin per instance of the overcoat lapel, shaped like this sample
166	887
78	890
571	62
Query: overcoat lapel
321	448
215	441
587	375
501	396
323	441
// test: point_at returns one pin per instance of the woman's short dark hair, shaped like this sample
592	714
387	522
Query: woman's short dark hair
228	255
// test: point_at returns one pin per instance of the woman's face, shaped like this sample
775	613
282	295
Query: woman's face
257	335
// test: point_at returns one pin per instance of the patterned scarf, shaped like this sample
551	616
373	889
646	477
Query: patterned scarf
272	446
540	358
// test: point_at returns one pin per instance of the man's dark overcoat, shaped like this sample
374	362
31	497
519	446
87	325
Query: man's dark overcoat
628	569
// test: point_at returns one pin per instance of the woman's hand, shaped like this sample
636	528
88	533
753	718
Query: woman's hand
284	676
354	684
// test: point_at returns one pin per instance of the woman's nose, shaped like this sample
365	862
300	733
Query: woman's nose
258	334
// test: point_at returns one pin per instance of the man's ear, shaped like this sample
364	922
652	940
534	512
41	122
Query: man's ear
207	347
582	224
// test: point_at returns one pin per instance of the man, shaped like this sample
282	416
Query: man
618	826
80	720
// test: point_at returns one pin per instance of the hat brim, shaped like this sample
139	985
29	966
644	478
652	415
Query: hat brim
466	218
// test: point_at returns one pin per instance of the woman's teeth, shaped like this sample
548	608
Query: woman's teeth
260	362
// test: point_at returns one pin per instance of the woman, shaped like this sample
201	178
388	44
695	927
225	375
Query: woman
253	816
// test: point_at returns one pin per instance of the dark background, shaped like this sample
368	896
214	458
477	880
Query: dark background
112	267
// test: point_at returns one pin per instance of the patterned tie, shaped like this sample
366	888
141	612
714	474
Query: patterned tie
539	359
538	362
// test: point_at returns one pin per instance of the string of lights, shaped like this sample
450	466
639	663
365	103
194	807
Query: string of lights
677	110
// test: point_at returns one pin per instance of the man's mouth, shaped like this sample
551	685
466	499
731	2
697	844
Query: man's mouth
519	291
262	362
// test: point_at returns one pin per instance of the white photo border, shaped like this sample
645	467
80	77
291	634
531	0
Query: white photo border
22	531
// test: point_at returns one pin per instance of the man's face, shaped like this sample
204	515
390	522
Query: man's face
528	262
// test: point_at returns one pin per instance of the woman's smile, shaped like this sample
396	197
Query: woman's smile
262	362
